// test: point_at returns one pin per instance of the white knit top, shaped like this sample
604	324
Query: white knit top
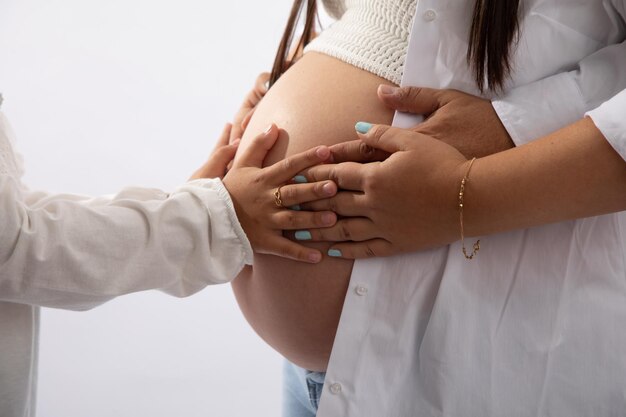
370	34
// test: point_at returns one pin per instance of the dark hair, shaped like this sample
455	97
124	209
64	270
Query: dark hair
495	25
281	62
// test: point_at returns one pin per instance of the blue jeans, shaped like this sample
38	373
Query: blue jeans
302	391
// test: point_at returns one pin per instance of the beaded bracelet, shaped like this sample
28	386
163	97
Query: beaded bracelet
461	192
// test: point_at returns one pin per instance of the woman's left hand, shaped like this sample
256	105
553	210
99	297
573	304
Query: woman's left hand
220	158
248	106
405	203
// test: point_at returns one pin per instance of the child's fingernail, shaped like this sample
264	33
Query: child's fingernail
303	235
328	218
268	130
295	207
328	188
315	257
388	90
323	152
300	179
335	253
363	127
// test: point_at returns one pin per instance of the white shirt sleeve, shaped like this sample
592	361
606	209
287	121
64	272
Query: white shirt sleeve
539	108
76	252
610	118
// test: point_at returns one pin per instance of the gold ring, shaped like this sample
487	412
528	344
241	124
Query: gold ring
278	198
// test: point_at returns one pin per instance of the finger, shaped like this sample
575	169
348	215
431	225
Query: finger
224	138
359	250
298	220
258	92
356	151
415	100
255	154
285	248
235	134
347	175
220	159
387	138
353	229
296	194
246	119
345	203
217	164
261	83
286	169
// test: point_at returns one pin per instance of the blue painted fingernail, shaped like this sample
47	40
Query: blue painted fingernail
300	179
363	127
335	253
303	235
296	207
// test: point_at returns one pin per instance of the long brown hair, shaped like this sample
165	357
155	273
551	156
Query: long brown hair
495	26
281	62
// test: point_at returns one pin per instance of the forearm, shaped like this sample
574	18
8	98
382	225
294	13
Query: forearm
565	96
73	252
572	173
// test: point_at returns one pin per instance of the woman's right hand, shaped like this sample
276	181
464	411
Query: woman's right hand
266	201
404	203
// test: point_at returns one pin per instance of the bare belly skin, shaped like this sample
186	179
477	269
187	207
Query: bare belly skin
295	307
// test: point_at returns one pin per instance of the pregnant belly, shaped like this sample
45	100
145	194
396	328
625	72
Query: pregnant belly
295	307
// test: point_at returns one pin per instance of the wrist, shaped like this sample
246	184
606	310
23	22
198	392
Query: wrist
451	187
465	182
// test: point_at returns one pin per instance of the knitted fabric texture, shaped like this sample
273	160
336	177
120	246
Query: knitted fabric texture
370	34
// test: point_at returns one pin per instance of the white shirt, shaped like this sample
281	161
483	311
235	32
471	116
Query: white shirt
536	324
610	118
77	252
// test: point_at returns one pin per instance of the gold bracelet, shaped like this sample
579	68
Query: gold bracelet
461	192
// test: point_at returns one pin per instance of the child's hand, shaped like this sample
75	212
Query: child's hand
263	198
221	157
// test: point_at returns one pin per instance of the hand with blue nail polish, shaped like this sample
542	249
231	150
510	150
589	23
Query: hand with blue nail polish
335	253
303	235
269	200
363	127
401	202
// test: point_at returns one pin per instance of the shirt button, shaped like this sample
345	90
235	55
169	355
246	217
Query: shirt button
361	290
430	15
335	388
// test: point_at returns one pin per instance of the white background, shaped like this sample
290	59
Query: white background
106	94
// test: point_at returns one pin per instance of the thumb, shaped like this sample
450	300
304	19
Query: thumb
256	152
386	138
414	100
221	158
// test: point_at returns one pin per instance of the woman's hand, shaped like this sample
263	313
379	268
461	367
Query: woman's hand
267	204
221	157
243	116
405	203
468	123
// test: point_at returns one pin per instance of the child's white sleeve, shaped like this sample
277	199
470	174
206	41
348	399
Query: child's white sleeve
75	252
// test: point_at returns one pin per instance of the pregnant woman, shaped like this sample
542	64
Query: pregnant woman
318	100
296	308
